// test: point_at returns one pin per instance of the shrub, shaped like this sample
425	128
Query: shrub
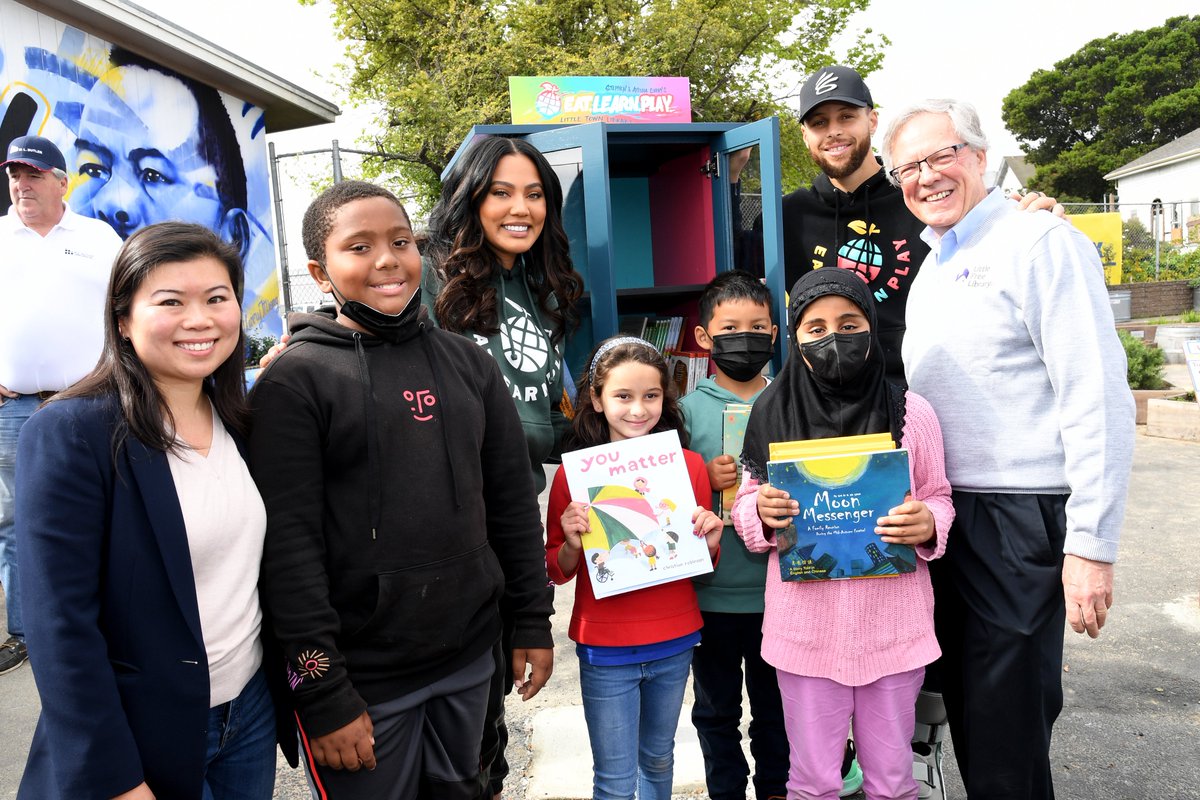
1145	363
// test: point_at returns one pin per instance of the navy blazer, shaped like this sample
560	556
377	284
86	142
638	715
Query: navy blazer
111	616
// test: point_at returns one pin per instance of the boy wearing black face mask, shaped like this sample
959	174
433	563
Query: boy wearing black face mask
735	325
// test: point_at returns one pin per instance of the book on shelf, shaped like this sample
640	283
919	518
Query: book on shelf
687	369
640	503
843	486
733	435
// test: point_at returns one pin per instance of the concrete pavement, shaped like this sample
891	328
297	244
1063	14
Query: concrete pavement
1129	729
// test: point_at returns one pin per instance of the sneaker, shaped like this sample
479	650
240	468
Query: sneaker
852	777
13	654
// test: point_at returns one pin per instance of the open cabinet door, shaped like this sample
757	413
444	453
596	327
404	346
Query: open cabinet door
586	147
744	237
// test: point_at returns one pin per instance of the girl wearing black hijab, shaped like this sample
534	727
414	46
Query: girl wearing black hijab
845	648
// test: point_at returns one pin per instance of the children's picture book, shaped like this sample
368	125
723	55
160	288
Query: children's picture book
733	435
640	503
841	495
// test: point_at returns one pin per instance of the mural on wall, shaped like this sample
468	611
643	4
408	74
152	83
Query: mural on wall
143	143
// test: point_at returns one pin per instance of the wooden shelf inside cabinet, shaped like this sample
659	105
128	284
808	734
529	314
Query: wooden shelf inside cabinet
684	290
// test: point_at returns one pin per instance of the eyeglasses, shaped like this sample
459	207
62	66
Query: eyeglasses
938	160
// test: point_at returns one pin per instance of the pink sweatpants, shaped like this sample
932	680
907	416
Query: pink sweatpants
817	712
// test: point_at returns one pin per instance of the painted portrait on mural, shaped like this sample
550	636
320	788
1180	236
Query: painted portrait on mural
143	143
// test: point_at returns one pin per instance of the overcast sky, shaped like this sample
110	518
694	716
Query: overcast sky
976	51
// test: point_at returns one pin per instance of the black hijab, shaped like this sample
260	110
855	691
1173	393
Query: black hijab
799	405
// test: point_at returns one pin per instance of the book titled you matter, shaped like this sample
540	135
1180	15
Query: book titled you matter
640	502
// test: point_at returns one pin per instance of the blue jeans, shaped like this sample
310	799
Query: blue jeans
240	762
13	413
632	711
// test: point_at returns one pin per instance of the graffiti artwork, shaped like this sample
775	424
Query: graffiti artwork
143	143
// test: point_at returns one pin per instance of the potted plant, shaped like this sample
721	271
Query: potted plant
1145	373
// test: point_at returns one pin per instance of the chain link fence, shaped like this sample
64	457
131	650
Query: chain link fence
1159	241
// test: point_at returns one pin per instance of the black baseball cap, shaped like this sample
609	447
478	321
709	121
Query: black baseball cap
838	83
35	151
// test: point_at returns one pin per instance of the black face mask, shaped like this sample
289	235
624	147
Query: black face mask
741	356
839	357
392	328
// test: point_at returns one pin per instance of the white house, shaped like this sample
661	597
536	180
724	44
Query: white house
1169	176
1014	174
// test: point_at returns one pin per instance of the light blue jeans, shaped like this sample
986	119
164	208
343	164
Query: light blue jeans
240	762
632	711
13	413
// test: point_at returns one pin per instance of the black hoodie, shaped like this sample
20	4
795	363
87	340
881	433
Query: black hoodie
870	231
400	513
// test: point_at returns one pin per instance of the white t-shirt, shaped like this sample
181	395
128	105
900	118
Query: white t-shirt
52	327
226	523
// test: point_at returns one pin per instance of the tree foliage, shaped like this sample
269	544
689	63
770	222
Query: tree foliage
1116	99
437	67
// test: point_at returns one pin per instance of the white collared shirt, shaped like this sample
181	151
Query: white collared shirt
52	324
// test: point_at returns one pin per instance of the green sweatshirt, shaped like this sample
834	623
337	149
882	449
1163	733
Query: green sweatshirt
737	585
530	364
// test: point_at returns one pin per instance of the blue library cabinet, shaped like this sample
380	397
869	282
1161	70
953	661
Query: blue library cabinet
653	216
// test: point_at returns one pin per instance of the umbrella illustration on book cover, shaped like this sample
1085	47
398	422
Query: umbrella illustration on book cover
618	515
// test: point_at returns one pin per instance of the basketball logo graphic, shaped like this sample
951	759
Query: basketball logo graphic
524	344
549	100
862	257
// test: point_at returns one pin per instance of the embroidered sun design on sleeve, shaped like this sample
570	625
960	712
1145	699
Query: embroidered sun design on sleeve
313	664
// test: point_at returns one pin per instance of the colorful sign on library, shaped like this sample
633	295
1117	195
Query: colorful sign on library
542	100
1105	232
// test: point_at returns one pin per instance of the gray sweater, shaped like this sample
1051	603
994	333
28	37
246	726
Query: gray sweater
1011	339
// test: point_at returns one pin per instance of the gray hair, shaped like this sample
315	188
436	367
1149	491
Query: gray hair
62	176
962	116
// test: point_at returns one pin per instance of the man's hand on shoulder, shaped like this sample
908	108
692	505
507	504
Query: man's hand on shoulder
1088	593
1039	201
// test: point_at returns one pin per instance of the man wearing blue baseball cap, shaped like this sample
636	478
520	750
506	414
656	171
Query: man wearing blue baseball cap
54	265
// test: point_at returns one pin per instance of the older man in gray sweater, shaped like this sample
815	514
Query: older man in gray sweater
1011	339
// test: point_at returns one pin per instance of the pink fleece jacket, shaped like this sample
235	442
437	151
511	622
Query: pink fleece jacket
857	631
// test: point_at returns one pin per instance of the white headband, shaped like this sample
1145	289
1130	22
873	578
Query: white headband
609	345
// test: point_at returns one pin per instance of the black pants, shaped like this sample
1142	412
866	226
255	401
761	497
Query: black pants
726	643
999	613
495	730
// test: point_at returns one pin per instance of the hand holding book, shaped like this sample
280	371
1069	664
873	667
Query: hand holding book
775	507
910	523
707	524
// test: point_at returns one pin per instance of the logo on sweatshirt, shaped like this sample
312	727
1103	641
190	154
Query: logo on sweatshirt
523	342
419	401
862	256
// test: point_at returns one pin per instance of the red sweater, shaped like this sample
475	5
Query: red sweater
644	616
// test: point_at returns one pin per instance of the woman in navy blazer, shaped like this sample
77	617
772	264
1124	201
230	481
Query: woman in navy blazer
143	616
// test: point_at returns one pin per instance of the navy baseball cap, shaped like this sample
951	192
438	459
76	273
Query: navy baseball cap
35	151
838	83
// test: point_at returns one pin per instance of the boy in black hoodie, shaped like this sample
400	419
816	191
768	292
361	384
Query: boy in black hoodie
401	510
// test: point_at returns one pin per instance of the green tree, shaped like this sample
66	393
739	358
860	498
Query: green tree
1114	100
437	67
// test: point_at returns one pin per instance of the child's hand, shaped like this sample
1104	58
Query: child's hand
775	507
909	523
707	524
575	524
538	662
275	350
722	472
350	747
